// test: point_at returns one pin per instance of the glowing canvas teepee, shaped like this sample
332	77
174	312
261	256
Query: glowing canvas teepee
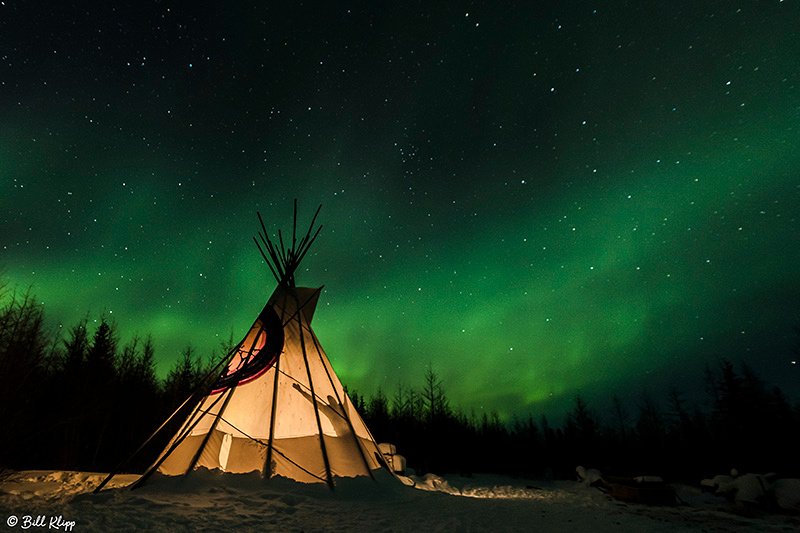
276	405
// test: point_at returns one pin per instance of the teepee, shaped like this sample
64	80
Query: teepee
274	405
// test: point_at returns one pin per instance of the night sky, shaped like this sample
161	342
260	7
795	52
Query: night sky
536	201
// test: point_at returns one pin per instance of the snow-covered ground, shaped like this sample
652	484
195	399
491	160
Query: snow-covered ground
209	501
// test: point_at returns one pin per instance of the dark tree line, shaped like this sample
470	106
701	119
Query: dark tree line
84	401
81	400
744	424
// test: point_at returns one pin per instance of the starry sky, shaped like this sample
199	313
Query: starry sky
536	201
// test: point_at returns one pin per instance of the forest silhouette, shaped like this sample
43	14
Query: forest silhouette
83	400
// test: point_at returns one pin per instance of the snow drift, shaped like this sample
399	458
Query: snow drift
211	501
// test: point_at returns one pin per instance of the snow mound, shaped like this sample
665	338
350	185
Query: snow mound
746	489
57	485
432	482
787	493
756	490
588	476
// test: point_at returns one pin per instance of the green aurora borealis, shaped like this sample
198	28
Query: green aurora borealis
595	198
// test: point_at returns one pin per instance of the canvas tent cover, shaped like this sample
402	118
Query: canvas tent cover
278	408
